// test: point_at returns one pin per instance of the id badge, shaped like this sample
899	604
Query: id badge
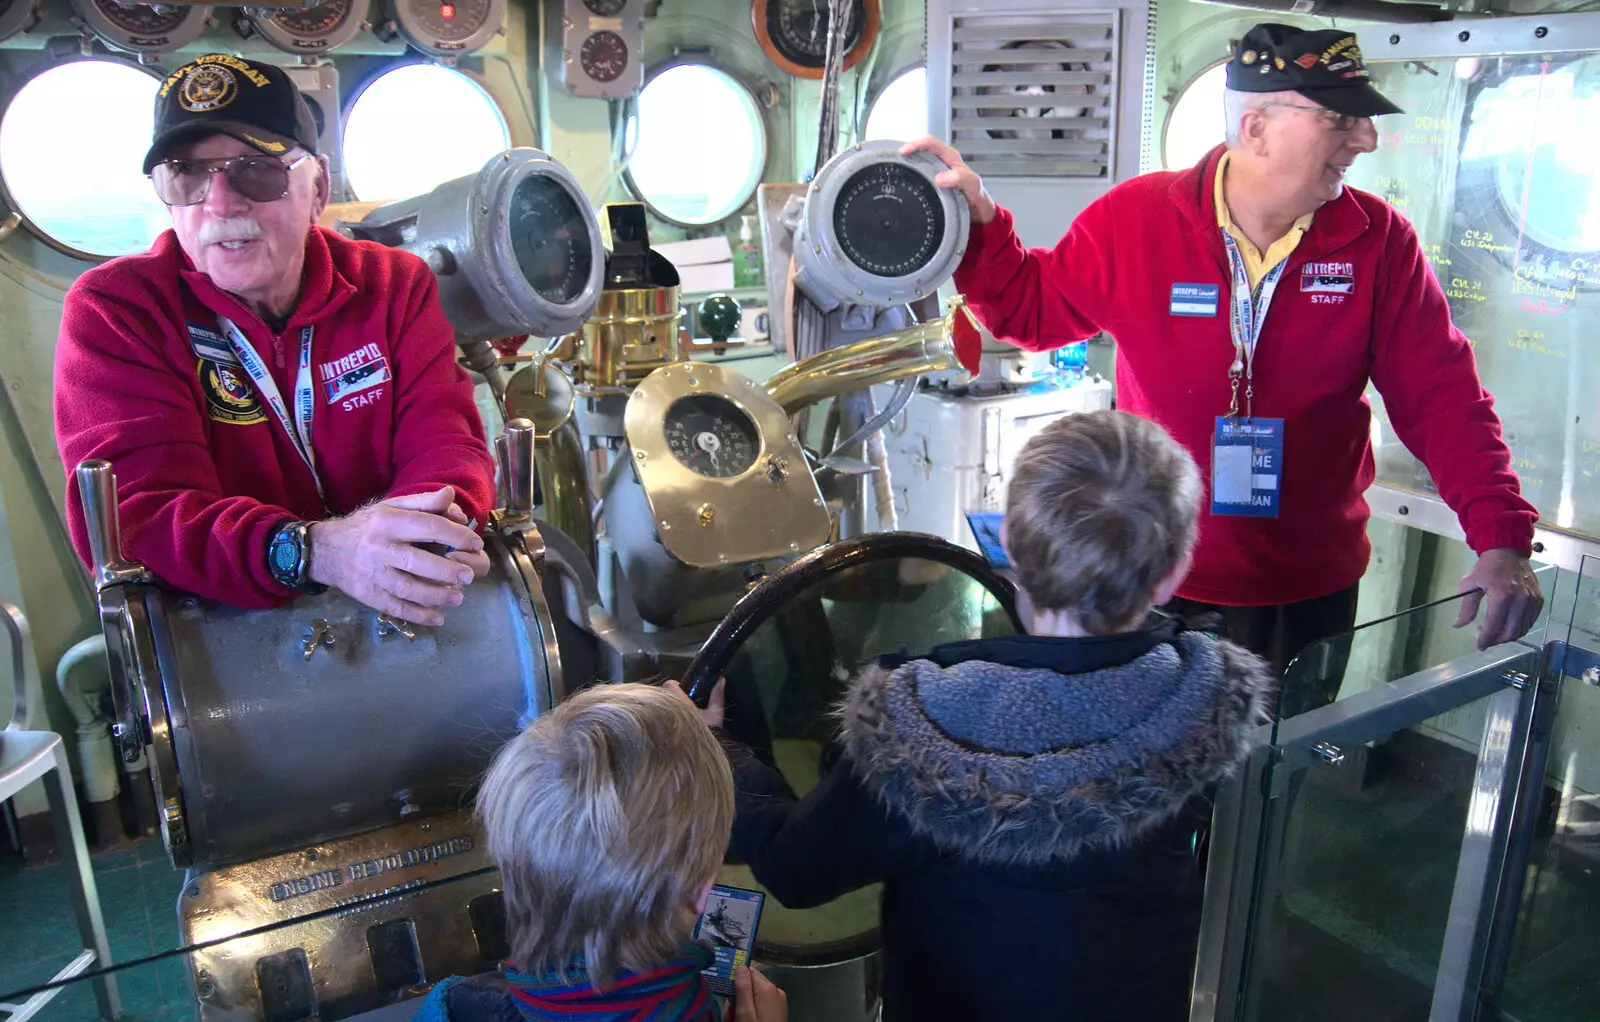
1246	467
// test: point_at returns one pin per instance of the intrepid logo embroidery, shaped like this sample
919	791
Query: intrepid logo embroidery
346	378
1328	278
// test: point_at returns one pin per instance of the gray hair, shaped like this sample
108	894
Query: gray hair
1234	106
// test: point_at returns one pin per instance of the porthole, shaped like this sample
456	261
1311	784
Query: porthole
1195	124
417	126
82	190
901	110
688	106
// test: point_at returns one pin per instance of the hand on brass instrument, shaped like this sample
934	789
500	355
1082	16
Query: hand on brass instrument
756	998
373	556
958	176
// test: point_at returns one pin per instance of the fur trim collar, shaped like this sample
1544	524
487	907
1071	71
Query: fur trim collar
1005	765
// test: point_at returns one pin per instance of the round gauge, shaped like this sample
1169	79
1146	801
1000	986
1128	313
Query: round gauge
314	21
550	239
889	220
302	29
142	28
794	33
711	435
604	56
605	8
141	19
449	27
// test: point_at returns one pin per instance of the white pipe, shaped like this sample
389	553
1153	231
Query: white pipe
83	676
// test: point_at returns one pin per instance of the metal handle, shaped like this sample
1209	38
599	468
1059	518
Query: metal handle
517	469
23	666
97	486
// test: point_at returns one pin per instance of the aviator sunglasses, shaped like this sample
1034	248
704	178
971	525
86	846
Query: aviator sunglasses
257	178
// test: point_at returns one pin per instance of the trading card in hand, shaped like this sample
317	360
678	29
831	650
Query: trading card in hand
729	925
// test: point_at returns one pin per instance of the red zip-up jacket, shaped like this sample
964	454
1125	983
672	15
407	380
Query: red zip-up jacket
1115	270
205	471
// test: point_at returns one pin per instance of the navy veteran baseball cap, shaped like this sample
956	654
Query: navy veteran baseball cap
220	94
1323	66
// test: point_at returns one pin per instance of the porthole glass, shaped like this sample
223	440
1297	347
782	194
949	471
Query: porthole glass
416	127
702	145
901	109
1195	125
83	188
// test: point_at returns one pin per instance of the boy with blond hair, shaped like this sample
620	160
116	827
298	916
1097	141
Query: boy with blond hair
1031	802
608	818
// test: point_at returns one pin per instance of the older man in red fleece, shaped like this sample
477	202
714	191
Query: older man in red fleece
282	405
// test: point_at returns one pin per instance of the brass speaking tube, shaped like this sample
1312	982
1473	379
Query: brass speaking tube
925	348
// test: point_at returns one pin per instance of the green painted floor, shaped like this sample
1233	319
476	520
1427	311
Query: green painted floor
138	895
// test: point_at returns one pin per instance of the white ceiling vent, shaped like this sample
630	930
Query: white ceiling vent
1034	94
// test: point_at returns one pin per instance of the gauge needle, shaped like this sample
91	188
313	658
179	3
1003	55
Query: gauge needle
709	443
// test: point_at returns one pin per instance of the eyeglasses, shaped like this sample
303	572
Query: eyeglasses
257	178
1334	119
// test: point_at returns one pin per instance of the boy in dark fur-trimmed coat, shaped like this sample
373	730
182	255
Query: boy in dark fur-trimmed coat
1031	803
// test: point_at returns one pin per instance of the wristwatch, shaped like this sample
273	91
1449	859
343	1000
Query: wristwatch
289	558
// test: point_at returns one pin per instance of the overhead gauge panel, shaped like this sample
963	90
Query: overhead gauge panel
721	468
877	231
16	16
142	28
596	46
448	28
516	248
310	29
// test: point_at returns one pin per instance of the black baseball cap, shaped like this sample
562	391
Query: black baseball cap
220	94
1324	66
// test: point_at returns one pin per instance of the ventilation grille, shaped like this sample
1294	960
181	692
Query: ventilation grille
1034	95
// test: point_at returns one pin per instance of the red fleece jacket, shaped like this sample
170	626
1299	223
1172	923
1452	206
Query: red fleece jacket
205	471
1114	271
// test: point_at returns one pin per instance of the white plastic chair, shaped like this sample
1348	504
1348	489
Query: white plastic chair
28	756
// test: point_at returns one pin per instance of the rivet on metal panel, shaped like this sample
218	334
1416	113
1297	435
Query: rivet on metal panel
1394	40
1540	32
707	514
1516	679
1329	752
206	989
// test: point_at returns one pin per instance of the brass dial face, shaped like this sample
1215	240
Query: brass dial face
711	435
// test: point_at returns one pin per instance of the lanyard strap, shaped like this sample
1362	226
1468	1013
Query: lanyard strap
298	428
1247	313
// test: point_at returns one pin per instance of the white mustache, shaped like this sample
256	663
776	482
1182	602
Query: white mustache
238	228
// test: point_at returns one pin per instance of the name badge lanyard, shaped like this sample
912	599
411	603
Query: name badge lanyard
298	428
1247	313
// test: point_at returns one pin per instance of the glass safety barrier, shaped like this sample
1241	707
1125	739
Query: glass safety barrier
324	932
1420	840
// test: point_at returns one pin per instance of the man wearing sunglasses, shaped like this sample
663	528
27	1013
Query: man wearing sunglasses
1182	269
282	405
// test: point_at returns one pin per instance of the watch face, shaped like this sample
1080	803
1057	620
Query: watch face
285	553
